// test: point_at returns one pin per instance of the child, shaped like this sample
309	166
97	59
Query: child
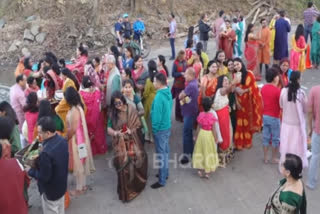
205	156
271	114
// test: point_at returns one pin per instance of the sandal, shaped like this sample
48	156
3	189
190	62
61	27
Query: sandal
76	192
200	174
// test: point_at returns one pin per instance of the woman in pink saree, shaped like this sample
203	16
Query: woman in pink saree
78	66
94	116
298	48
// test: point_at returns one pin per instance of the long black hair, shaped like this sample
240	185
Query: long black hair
73	97
56	68
114	110
116	54
162	59
299	32
6	127
248	31
45	109
293	86
83	50
243	71
152	69
9	111
220	82
86	82
70	75
26	63
199	48
31	103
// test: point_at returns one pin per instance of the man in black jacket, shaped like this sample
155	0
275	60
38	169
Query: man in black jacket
204	29
52	171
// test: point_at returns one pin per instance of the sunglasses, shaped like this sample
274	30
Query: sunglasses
118	103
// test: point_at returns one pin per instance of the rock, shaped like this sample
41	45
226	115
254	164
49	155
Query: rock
35	30
28	35
98	44
12	47
90	33
2	23
25	52
18	43
31	18
41	37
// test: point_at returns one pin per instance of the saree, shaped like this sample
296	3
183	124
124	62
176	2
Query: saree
95	121
251	55
226	43
208	87
178	86
78	66
249	118
286	202
130	159
273	35
77	165
315	44
297	54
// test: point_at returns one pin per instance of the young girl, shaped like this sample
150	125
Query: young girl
205	156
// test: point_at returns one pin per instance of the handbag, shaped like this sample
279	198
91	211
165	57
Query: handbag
82	150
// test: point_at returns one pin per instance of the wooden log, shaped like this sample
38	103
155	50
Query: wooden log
255	16
264	13
253	3
253	10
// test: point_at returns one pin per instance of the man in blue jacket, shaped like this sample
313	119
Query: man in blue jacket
52	170
161	126
138	28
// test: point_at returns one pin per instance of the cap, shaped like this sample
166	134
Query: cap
125	15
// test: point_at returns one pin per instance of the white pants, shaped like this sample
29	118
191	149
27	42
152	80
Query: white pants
52	207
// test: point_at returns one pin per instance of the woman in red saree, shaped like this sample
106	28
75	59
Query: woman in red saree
130	159
79	63
251	51
227	40
208	83
249	107
94	116
221	106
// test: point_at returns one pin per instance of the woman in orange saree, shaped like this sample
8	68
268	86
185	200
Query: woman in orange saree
249	107
208	83
251	51
227	40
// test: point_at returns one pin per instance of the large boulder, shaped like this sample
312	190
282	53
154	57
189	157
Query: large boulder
2	23
35	29
41	37
28	35
15	46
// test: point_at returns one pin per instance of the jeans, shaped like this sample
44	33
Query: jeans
314	162
307	32
205	45
188	135
173	50
161	140
271	131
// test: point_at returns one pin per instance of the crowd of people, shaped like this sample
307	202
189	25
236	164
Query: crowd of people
69	107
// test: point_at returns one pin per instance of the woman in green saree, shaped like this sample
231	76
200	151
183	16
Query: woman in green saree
315	44
290	197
